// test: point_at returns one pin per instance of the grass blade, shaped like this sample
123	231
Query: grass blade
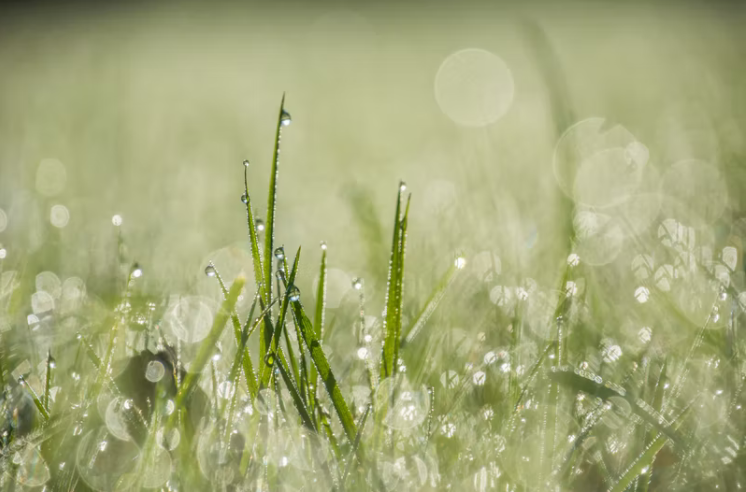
318	325
643	462
356	444
392	320
606	391
325	371
281	365
48	380
269	226
266	371
254	240
431	305
208	345
241	336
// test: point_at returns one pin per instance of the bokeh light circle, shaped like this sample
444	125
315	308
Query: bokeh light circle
474	87
59	216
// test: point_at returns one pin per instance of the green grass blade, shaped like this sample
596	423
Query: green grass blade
269	226
605	391
208	345
325	371
645	460
49	377
266	371
247	365
356	444
254	240
318	326
392	320
431	305
35	397
281	365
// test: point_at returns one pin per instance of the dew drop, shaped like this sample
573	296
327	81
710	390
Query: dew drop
280	253
280	274
357	283
294	294
362	353
210	270
117	220
127	404
244	198
573	260
285	118
154	371
246	163
402	186
136	270
460	262
259	225
323	245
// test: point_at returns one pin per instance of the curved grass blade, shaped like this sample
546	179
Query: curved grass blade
605	391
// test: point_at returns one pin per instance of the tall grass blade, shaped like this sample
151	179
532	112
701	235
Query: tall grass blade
269	226
392	320
318	327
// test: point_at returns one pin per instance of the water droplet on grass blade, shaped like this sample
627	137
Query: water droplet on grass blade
280	253
116	220
246	163
210	270
357	283
402	186
460	262
285	118
259	225
244	198
323	245
294	294
136	271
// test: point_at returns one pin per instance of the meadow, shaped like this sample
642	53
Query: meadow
493	249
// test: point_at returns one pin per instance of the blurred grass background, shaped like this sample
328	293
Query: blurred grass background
152	108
